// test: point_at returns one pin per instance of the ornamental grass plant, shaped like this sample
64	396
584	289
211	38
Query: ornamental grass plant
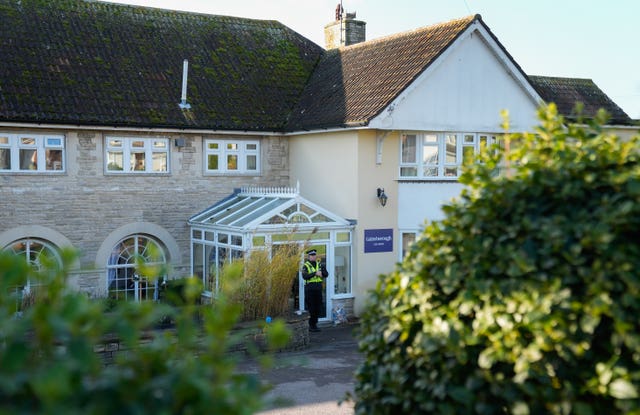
262	282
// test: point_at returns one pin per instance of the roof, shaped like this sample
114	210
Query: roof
267	209
353	84
87	62
84	62
566	92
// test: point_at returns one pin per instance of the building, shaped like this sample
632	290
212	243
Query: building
189	139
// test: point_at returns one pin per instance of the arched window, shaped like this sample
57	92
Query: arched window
33	251
123	282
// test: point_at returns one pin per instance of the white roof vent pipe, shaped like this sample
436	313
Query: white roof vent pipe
185	72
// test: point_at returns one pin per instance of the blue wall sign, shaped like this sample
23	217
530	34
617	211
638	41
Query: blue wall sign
378	240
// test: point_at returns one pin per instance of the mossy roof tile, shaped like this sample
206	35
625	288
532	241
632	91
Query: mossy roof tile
566	92
73	61
85	62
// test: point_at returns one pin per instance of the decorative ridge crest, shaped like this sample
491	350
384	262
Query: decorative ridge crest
281	191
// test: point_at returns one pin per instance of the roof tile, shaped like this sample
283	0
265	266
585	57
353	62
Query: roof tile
86	62
353	84
566	92
101	63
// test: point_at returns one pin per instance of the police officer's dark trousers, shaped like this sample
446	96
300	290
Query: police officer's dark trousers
313	296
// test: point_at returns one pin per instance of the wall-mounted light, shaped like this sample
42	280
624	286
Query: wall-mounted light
382	197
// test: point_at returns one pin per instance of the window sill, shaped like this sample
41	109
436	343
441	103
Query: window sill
34	172
425	180
342	296
232	174
130	174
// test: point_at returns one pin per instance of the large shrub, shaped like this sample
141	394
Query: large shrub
50	361
525	299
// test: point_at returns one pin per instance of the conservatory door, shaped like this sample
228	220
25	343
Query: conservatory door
326	298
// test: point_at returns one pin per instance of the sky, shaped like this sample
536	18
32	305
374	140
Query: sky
593	39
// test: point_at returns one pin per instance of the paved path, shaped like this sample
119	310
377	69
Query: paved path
313	381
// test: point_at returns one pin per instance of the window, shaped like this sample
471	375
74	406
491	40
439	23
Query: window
232	156
439	155
211	251
31	153
342	269
408	238
137	155
33	251
123	282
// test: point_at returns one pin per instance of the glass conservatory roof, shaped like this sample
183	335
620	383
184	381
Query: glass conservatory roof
266	208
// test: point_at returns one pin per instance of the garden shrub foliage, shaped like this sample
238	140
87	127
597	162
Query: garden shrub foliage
525	298
49	362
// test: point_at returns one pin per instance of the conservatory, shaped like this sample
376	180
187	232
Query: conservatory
263	218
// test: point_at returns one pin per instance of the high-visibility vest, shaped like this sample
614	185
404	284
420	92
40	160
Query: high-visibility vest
311	269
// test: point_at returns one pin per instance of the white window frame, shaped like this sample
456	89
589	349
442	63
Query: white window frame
404	248
148	147
224	247
345	243
223	149
419	164
123	280
31	249
14	144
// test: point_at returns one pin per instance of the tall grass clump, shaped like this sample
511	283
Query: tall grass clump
261	283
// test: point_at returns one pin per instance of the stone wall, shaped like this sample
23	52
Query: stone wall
297	324
253	338
84	207
347	307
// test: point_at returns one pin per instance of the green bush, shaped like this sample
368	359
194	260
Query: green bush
174	291
50	361
525	298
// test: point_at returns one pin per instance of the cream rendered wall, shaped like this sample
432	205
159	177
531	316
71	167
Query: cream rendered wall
338	171
371	215
325	165
624	132
464	91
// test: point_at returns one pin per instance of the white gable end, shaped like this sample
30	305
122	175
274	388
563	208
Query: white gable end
464	90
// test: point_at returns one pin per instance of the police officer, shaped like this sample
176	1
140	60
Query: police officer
313	272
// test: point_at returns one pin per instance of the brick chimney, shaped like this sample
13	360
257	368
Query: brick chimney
345	30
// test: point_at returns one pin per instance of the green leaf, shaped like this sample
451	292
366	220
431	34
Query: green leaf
623	389
486	359
460	394
526	285
520	408
582	408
